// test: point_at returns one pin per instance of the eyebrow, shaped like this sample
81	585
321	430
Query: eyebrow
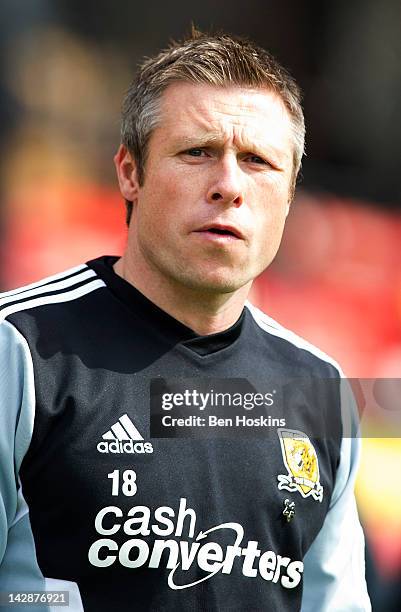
209	138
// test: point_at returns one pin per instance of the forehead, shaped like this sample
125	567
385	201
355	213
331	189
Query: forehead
242	113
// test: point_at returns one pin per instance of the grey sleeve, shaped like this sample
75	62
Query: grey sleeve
334	567
17	401
18	564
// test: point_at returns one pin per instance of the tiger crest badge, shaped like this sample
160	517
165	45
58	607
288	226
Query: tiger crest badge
300	459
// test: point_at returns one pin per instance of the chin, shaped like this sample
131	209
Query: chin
216	283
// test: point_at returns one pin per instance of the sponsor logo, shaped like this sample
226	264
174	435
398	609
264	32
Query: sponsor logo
123	437
300	459
188	550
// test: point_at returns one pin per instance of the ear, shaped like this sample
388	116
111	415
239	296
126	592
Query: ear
126	174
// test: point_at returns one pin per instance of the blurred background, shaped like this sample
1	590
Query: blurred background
64	66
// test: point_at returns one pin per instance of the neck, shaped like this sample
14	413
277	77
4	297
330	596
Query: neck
204	312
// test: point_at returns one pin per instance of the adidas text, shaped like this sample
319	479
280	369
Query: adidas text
129	447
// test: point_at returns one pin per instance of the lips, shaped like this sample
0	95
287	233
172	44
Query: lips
221	230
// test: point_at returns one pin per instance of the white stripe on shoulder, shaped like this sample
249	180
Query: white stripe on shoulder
44	281
63	284
68	296
271	326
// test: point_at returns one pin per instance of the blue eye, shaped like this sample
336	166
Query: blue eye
195	152
256	159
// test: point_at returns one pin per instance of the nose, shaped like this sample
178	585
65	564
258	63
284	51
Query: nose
226	186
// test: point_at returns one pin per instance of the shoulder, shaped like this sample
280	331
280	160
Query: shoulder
60	288
298	347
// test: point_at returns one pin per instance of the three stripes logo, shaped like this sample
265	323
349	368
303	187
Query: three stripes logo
123	437
64	287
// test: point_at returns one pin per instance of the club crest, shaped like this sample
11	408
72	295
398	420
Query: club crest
301	461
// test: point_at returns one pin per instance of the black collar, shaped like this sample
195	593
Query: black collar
173	331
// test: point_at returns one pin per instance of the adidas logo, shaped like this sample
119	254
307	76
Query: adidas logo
123	437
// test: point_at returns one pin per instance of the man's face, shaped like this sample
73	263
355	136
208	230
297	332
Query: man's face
211	211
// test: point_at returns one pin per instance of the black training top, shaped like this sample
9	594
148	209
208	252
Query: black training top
110	494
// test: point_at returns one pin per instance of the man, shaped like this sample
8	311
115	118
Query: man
96	502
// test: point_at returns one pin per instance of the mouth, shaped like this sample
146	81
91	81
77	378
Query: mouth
221	231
